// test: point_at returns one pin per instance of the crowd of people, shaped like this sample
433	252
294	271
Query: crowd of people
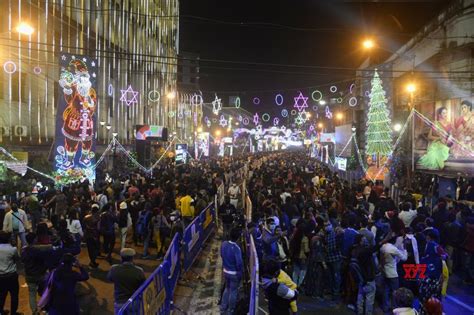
335	241
46	229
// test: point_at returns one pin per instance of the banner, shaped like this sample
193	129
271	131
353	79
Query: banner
327	137
444	136
341	163
172	257
75	119
202	143
196	233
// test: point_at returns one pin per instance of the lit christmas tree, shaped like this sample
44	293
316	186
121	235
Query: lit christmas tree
379	132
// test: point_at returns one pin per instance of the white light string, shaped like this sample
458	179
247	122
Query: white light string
102	157
161	157
30	168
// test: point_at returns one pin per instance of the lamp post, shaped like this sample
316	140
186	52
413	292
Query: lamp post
411	88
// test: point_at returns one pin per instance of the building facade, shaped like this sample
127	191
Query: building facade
135	43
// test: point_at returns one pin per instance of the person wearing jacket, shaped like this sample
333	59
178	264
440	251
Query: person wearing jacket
33	257
8	273
278	294
270	240
233	266
91	234
15	223
65	277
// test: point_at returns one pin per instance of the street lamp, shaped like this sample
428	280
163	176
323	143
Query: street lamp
354	129
322	102
199	129
339	116
411	87
368	43
171	95
397	127
320	125
25	29
218	133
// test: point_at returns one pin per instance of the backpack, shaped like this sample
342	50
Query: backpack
123	218
142	222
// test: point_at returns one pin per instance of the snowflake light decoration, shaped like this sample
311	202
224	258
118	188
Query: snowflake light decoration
300	119
301	102
129	96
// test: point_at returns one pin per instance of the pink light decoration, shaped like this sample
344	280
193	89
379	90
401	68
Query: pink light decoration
351	88
256	119
256	100
301	102
129	96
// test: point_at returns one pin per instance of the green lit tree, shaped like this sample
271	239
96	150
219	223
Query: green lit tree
379	132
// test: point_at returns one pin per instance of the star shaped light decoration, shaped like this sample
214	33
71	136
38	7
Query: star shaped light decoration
93	63
301	102
300	119
223	121
63	57
216	105
256	119
129	96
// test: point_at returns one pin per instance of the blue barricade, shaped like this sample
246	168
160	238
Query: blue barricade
155	295
152	297
196	234
173	260
253	260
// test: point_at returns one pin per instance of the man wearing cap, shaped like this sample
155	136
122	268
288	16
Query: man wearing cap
127	278
124	222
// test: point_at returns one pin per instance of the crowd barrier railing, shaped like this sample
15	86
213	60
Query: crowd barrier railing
196	234
155	295
254	287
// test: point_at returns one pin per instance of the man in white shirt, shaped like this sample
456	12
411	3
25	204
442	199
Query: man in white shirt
15	223
234	193
315	180
407	215
285	195
390	254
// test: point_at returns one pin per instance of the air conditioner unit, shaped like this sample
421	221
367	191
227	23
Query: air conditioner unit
4	131
20	131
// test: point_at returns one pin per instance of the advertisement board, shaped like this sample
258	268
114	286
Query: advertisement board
181	156
149	132
341	163
74	154
444	137
202	144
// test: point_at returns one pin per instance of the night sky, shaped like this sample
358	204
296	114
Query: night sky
321	37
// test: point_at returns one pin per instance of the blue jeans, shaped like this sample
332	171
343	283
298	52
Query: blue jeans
335	272
229	297
299	271
366	298
390	285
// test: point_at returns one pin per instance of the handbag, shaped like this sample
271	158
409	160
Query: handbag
45	299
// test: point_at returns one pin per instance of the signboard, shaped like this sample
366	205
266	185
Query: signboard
341	163
153	297
328	137
149	132
173	258
74	154
181	156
